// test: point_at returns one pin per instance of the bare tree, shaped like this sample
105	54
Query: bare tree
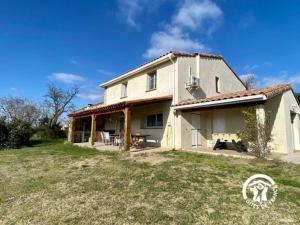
249	81
58	102
18	108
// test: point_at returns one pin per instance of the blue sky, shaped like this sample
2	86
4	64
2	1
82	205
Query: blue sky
88	42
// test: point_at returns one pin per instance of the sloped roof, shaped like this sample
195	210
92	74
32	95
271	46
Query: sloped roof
118	106
175	53
269	92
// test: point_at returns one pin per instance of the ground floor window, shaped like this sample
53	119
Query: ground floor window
154	120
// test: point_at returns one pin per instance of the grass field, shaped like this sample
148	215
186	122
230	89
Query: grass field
56	183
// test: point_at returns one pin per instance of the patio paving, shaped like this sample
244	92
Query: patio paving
102	147
291	158
223	152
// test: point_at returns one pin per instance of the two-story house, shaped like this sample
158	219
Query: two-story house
185	100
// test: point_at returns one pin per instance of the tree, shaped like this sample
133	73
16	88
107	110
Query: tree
58	102
256	134
249	81
18	108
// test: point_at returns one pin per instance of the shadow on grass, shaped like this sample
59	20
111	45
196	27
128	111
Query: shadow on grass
43	143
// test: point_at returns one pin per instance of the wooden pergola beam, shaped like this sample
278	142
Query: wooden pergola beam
71	130
127	128
93	129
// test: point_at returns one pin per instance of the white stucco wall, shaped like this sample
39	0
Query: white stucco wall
208	69
137	85
280	108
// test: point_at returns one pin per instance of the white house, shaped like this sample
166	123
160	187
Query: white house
186	100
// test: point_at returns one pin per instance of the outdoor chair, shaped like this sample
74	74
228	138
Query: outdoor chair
119	141
239	146
101	136
106	138
220	145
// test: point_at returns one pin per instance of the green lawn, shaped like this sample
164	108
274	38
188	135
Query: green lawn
56	183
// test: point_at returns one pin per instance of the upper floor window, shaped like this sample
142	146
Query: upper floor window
154	120
151	83
217	83
124	90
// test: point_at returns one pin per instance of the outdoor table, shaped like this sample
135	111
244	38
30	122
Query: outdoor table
112	138
137	137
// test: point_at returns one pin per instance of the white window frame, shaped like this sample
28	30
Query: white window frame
217	83
124	87
149	80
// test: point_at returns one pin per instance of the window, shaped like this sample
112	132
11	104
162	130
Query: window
217	81
154	120
124	90
151	81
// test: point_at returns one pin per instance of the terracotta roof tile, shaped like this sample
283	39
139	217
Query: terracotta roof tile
269	92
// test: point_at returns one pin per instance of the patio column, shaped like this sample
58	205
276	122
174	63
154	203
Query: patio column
127	128
71	130
93	130
260	114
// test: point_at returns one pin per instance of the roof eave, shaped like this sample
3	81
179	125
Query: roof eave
231	101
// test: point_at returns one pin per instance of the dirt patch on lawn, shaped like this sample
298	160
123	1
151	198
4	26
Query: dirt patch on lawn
90	162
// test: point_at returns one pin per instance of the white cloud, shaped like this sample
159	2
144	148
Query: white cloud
12	89
246	75
90	96
68	78
72	61
267	63
194	13
105	72
200	15
283	77
250	68
131	9
171	39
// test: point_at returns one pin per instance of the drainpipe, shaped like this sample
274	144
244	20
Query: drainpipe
173	102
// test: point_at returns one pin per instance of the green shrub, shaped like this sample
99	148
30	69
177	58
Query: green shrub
3	134
14	134
44	132
19	134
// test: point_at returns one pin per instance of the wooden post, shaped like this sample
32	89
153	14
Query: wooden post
71	130
93	130
127	127
83	132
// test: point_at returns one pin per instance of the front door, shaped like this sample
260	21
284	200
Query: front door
196	137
